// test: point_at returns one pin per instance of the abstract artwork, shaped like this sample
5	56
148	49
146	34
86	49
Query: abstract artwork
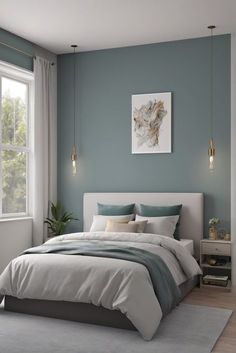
151	123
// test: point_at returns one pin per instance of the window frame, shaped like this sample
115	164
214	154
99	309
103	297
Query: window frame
15	73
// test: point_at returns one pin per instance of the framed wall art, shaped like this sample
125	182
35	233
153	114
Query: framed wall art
151	123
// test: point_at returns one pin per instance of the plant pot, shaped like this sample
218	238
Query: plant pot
212	233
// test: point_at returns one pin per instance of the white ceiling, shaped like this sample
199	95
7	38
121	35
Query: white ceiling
100	24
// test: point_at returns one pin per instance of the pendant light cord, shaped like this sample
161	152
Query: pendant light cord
211	84
74	96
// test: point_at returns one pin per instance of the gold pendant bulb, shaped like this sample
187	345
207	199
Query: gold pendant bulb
74	160
211	154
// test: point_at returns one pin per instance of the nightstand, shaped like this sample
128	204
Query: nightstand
218	251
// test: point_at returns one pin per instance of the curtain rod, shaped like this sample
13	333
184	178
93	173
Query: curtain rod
21	51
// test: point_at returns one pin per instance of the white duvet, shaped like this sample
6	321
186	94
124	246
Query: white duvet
112	283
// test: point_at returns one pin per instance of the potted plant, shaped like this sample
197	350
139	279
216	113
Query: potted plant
213	222
59	220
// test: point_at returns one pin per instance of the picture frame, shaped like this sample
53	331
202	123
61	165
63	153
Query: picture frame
151	123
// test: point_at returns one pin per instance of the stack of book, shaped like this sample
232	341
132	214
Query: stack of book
215	280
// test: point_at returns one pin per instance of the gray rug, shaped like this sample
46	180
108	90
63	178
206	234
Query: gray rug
188	329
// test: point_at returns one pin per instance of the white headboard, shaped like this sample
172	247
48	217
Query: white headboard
191	221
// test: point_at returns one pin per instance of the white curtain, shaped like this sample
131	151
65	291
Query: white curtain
45	145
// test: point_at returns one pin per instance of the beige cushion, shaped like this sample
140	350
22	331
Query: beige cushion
99	221
140	225
119	226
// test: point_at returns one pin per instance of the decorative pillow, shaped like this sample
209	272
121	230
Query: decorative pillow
115	210
99	221
160	225
116	226
110	223
162	211
140	225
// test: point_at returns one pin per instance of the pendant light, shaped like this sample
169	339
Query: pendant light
74	152
211	147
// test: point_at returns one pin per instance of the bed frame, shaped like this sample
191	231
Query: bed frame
191	227
81	312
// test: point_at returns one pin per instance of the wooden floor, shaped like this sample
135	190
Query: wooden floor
221	299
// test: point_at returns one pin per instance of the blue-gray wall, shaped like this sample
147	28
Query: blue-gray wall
12	56
105	81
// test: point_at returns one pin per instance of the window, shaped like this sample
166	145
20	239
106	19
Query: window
16	102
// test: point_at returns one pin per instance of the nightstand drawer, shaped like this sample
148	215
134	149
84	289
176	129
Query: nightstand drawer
215	249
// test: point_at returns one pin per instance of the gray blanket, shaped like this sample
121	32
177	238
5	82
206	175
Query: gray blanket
165	288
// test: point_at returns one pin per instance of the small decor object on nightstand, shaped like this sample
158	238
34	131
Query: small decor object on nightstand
211	261
221	281
221	234
227	237
59	220
212	229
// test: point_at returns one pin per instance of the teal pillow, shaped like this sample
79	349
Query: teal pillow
115	210
162	211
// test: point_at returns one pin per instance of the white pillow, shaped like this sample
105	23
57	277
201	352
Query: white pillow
99	221
159	225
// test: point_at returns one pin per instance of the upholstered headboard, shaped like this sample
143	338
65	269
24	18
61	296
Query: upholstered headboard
191	221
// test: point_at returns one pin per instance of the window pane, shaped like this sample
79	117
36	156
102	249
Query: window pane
13	182
14	112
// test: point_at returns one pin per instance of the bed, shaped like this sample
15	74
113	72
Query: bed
94	310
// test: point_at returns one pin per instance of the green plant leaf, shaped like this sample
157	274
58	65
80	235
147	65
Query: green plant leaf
58	222
56	210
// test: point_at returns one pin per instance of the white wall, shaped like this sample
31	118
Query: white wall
233	152
15	236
